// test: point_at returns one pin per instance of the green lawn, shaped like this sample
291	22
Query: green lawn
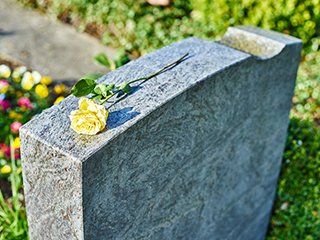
297	209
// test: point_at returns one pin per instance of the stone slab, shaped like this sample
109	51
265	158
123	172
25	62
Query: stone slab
194	153
47	45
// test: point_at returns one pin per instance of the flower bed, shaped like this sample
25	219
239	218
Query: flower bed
23	94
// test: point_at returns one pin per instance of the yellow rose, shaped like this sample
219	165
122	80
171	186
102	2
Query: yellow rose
5	169
42	90
46	80
27	81
5	71
90	118
58	100
60	88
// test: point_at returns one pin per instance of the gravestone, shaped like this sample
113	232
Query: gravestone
194	153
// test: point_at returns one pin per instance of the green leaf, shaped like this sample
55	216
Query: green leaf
83	87
110	87
101	89
105	61
125	87
121	59
98	98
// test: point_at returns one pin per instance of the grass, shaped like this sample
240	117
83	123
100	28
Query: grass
297	209
13	222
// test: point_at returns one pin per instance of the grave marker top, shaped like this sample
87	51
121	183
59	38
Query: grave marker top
206	59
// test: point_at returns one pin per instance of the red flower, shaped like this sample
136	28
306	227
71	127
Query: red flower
15	126
5	149
4	104
25	102
17	154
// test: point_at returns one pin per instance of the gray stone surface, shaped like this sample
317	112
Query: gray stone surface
46	45
194	153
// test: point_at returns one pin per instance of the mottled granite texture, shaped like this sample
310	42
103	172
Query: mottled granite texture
194	153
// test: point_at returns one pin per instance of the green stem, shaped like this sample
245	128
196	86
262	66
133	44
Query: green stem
168	66
118	100
107	98
13	182
159	71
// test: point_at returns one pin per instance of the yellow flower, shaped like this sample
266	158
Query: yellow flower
16	142
58	100
42	90
19	94
17	73
15	115
5	169
60	88
46	80
4	86
5	71
27	81
36	77
90	118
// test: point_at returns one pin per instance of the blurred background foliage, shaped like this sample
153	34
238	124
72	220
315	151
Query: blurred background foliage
135	27
297	209
138	27
306	102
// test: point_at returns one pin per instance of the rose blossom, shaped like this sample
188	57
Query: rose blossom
15	127
17	154
5	149
90	118
25	102
4	104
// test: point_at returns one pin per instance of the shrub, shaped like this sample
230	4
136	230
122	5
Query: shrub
138	27
300	18
133	25
307	92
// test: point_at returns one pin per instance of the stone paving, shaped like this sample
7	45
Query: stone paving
46	45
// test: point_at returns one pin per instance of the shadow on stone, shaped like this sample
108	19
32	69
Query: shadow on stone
6	33
119	117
